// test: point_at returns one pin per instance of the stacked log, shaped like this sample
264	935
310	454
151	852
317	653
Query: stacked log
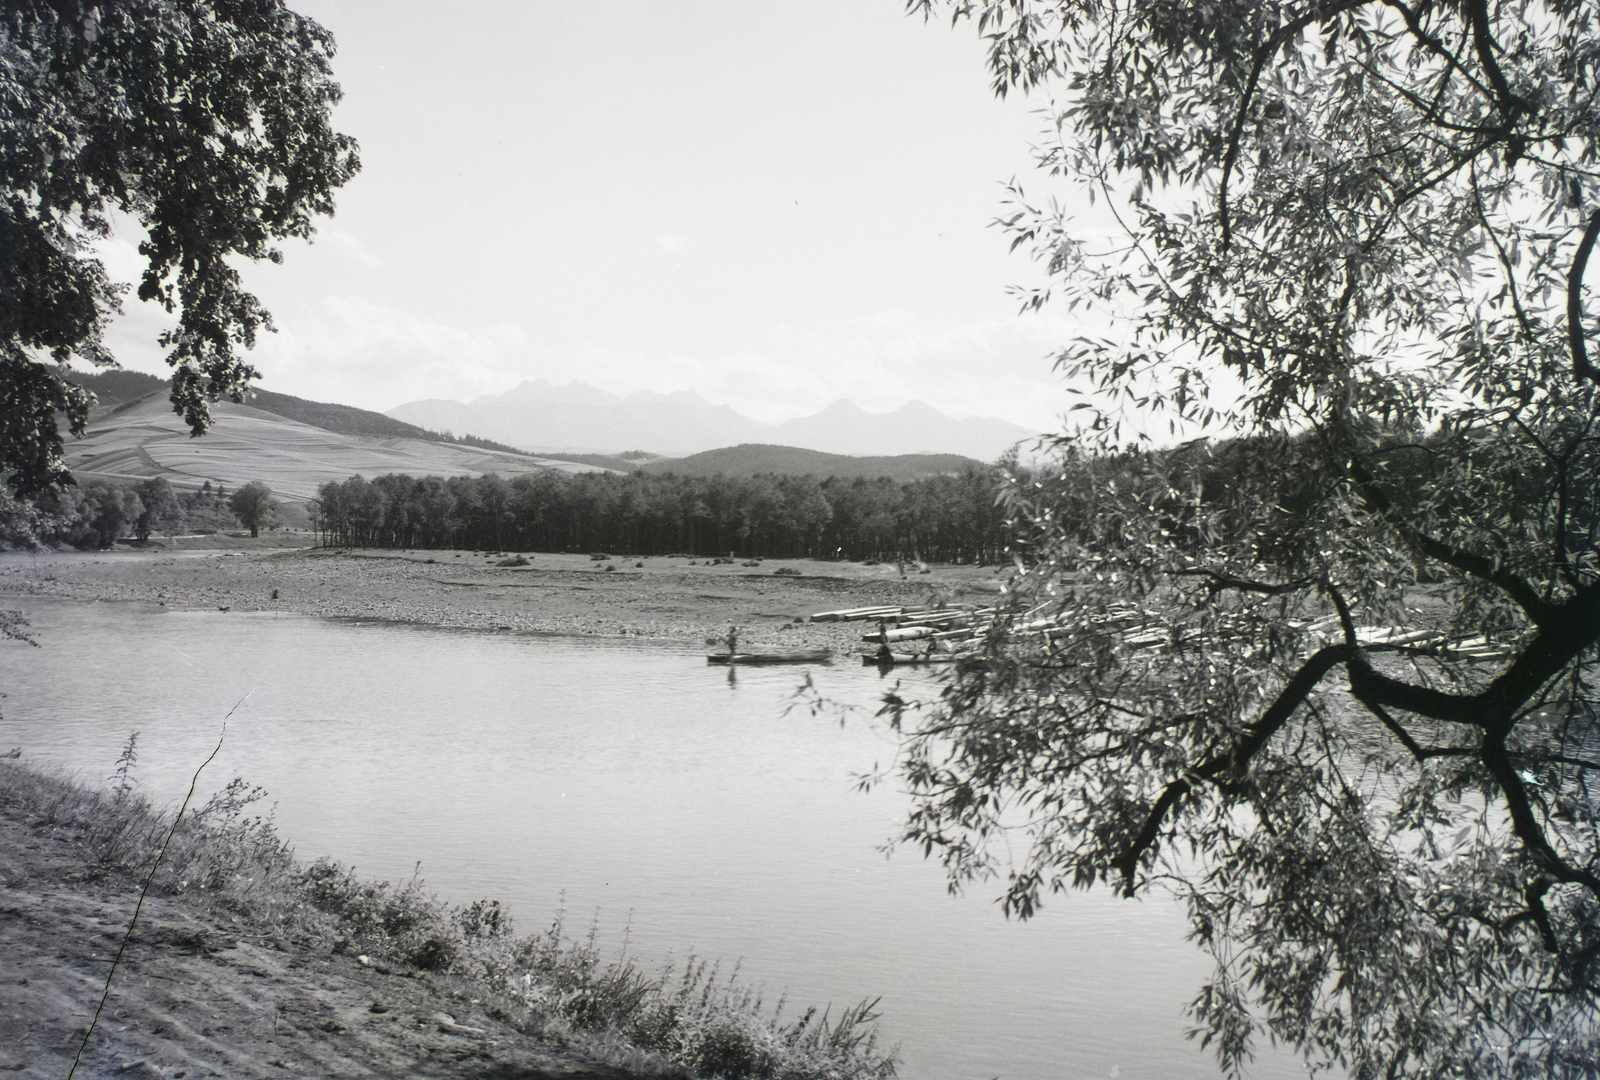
947	634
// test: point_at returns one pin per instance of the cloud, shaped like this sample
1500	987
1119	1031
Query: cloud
349	245
672	245
372	354
999	368
120	255
355	351
369	353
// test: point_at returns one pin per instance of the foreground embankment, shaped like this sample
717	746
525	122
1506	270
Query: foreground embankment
243	962
677	599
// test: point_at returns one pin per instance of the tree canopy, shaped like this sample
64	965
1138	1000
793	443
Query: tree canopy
1327	677
208	123
255	507
941	518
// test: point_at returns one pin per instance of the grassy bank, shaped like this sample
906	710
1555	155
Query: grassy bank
224	859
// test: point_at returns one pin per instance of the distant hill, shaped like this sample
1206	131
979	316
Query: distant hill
134	435
117	389
754	459
142	439
632	461
552	419
914	428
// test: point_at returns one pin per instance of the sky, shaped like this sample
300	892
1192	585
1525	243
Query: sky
773	204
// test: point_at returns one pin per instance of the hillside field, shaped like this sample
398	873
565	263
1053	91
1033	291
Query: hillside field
144	438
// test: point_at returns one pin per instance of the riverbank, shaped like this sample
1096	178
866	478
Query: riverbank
260	972
675	599
245	963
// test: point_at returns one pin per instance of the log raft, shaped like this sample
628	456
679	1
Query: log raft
797	656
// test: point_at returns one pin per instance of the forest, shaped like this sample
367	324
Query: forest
951	518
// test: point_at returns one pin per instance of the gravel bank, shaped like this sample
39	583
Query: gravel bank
674	599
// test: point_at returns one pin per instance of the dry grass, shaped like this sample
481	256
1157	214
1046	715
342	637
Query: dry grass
224	856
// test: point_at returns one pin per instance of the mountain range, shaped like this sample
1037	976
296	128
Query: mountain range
294	445
545	418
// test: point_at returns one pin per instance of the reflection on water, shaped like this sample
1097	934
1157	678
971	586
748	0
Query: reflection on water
676	802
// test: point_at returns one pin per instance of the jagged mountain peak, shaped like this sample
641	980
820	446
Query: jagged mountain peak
675	397
542	390
535	415
839	407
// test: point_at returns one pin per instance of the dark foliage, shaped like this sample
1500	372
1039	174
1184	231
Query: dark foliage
944	519
1332	685
207	121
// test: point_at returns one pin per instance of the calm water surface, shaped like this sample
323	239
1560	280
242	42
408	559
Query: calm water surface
637	787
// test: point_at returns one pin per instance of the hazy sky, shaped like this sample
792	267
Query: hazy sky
775	204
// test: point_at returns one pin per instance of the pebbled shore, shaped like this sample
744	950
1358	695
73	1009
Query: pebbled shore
675	599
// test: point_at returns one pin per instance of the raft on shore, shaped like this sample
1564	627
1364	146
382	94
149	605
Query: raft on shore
878	659
797	656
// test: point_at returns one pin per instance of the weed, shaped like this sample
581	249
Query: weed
122	780
227	855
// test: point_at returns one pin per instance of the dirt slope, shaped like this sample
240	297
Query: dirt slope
199	995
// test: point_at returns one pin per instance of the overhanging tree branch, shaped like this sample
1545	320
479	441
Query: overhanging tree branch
1537	608
1526	824
1433	44
1218	581
1290	698
1581	367
1511	106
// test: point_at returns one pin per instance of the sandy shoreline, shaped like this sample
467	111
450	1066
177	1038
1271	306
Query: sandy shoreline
673	599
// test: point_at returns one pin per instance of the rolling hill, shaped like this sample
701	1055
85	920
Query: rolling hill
117	387
754	459
142	438
294	445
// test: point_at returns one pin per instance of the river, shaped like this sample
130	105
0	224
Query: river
669	805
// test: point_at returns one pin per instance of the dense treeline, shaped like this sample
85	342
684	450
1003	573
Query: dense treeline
96	514
943	518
